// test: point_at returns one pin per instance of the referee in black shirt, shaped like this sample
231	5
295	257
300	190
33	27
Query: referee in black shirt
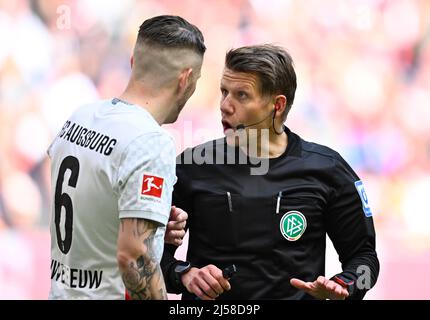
268	217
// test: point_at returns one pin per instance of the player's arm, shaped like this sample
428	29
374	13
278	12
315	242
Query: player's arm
137	261
141	213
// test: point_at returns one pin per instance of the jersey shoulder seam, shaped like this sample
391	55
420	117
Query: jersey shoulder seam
330	153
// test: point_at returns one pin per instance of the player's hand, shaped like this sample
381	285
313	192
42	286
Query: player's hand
175	230
322	288
206	283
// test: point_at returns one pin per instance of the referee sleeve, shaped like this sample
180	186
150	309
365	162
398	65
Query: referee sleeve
350	227
182	198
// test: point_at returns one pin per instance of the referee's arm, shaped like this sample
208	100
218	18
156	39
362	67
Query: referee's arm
180	199
352	234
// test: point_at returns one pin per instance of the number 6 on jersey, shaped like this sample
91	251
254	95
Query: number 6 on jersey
64	200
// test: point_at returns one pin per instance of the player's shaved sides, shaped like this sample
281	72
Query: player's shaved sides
163	50
158	67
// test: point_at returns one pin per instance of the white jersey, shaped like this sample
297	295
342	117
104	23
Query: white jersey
111	160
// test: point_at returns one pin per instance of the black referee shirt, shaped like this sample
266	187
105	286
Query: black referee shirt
273	227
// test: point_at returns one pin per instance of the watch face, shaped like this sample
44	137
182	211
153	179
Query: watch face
182	267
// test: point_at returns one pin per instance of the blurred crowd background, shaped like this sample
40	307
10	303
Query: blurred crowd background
363	70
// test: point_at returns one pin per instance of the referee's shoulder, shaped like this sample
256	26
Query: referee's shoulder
323	158
313	149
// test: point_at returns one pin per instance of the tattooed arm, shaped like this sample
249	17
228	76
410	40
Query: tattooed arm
137	261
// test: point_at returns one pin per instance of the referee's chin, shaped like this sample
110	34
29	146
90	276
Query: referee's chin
236	138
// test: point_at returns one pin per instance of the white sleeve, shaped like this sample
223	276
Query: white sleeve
146	176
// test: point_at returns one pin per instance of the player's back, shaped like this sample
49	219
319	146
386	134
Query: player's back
86	158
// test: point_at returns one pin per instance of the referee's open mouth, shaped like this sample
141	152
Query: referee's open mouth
226	126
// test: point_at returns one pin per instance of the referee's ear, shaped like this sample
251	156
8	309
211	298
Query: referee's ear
280	105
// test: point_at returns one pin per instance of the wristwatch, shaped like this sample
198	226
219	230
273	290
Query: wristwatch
181	268
348	284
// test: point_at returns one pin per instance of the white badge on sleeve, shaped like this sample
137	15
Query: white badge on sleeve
363	196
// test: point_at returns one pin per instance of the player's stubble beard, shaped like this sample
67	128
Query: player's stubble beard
180	103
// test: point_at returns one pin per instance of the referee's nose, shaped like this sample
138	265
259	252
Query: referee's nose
226	106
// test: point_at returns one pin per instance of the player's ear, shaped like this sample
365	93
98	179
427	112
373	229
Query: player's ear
131	61
184	79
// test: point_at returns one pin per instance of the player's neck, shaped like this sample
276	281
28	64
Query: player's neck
157	105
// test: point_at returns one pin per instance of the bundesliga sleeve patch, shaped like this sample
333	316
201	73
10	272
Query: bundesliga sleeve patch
152	186
363	196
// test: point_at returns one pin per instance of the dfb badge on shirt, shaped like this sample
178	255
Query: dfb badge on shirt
152	186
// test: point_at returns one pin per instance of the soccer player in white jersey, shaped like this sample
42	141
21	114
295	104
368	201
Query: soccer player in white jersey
113	171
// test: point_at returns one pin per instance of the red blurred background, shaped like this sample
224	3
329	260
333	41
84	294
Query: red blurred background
363	72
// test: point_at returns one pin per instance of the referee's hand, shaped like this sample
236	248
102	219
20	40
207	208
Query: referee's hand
175	229
207	283
322	288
